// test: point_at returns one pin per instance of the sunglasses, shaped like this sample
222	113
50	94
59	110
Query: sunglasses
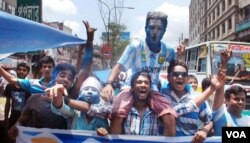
177	74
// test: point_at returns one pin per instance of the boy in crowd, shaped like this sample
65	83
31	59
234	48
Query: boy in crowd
79	120
34	85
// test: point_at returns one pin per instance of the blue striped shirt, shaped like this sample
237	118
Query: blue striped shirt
148	124
222	118
137	57
189	114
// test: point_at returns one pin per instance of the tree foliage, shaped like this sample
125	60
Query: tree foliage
119	44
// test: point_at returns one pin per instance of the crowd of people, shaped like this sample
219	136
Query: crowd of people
66	99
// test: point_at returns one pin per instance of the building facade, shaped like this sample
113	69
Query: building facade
63	54
213	20
8	6
243	26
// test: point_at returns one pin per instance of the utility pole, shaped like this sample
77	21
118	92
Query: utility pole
108	22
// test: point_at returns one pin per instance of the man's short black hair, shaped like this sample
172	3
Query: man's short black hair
175	63
25	65
46	60
205	83
234	89
62	67
136	75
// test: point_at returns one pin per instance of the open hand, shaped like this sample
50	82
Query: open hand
180	50
90	31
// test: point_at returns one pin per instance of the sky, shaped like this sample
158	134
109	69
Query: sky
72	12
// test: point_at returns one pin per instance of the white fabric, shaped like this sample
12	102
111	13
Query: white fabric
91	82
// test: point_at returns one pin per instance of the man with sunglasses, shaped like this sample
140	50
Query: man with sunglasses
189	107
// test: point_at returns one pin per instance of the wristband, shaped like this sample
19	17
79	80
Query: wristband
109	82
204	130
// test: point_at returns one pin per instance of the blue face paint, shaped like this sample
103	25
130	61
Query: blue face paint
154	33
90	95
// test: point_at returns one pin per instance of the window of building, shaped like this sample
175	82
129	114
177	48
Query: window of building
229	23
229	2
223	5
247	12
1	4
218	11
223	28
9	8
218	31
213	13
13	10
213	34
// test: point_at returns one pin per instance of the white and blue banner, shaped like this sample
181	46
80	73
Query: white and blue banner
33	135
21	35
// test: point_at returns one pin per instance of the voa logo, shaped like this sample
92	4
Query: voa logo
236	134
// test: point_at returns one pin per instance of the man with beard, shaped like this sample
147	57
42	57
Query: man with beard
141	119
16	97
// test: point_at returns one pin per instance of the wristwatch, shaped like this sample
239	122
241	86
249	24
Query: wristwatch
109	82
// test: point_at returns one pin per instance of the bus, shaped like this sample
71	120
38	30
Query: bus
203	60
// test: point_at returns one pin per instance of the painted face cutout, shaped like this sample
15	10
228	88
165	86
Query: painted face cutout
89	94
154	31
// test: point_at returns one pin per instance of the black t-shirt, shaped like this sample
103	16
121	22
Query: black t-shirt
38	109
18	97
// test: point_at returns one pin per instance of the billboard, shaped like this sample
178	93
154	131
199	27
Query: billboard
123	35
106	50
30	9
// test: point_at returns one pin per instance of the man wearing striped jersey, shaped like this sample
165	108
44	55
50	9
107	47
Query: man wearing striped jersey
189	106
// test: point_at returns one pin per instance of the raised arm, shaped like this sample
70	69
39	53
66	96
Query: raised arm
180	50
217	83
10	78
86	62
219	94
